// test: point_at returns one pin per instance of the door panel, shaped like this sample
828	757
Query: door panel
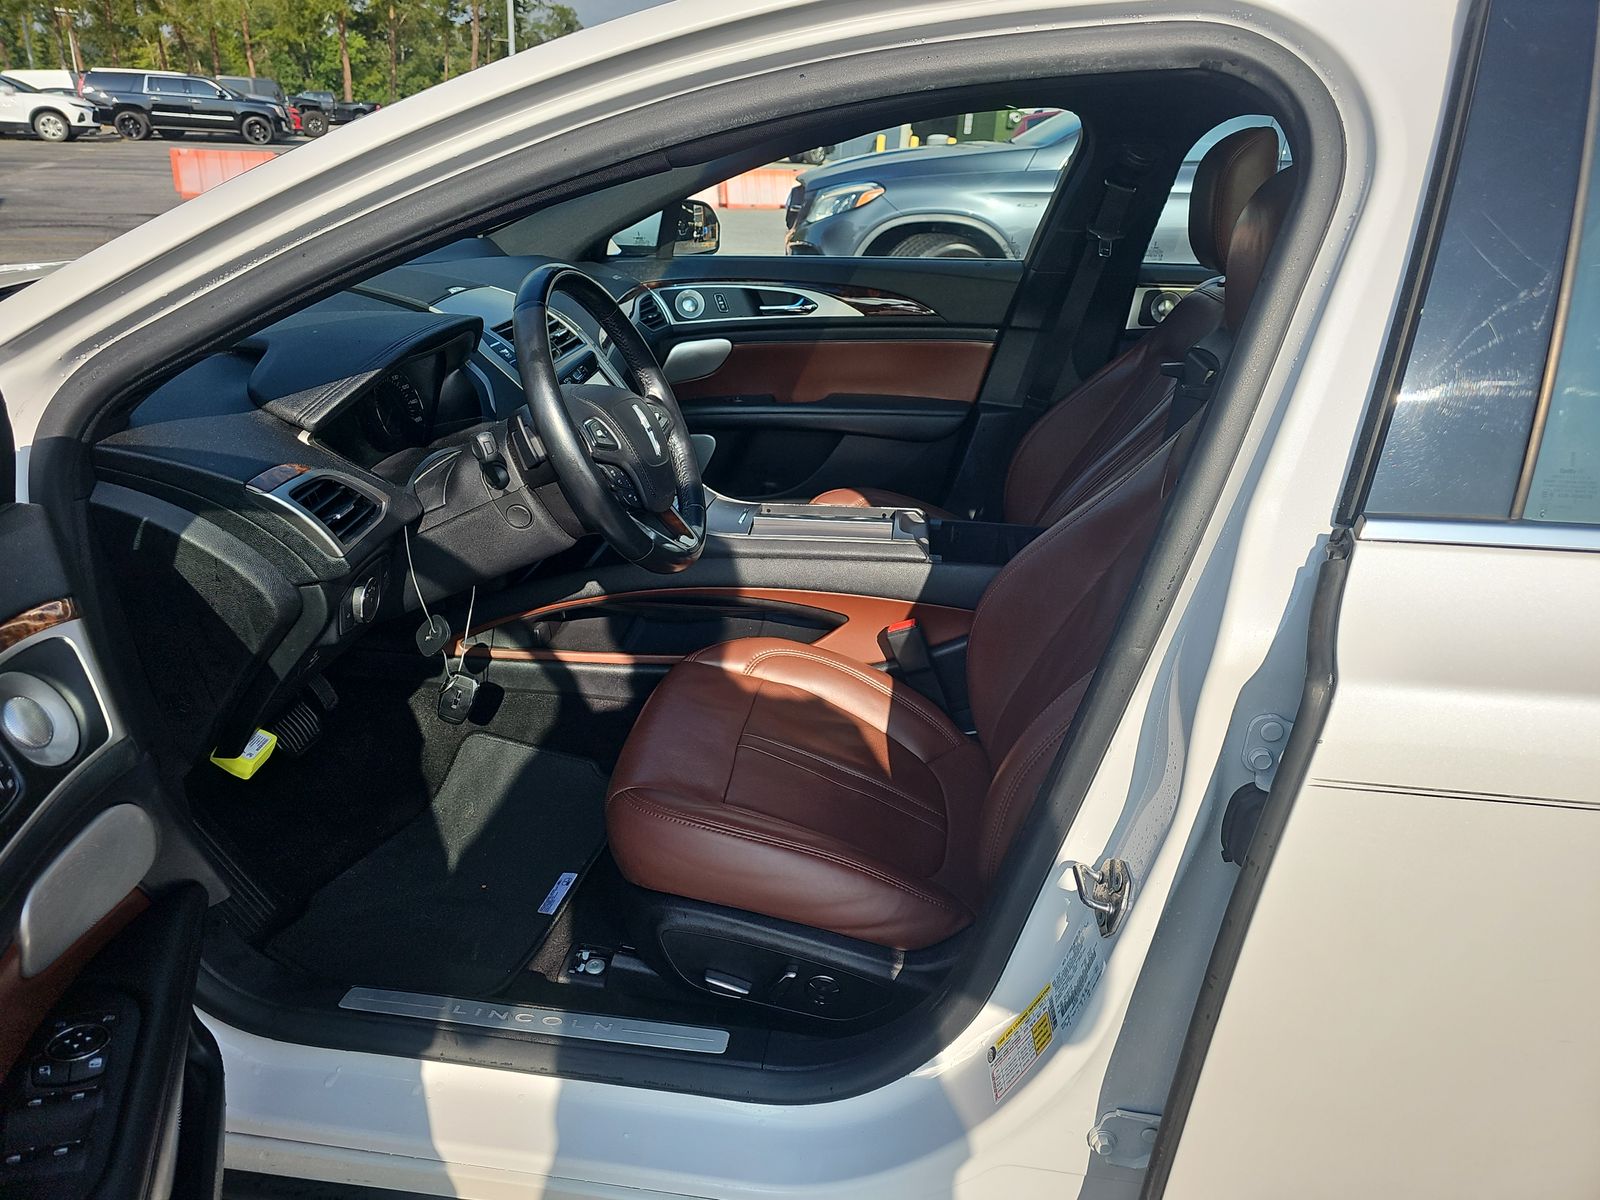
839	371
1457	755
170	107
100	912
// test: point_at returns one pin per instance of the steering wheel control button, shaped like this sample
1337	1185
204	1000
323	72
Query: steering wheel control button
599	435
690	304
77	1042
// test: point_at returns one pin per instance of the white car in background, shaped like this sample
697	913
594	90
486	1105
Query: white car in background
491	708
50	116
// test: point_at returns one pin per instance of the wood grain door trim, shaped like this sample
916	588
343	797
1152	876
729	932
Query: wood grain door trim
36	620
864	617
813	372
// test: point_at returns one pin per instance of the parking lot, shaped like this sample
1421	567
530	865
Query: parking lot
59	201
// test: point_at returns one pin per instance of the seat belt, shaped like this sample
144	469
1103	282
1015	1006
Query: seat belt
1197	375
974	490
1100	242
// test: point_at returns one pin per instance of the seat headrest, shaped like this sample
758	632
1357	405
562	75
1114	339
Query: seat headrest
1251	245
1227	176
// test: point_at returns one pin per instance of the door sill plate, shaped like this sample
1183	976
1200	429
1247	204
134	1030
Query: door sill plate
523	1018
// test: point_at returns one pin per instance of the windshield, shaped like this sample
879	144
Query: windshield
1049	131
17	83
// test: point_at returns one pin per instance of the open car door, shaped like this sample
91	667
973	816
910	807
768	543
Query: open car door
109	1086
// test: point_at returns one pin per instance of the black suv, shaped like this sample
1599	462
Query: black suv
135	103
321	110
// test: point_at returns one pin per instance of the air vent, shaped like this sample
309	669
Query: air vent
336	506
563	340
651	315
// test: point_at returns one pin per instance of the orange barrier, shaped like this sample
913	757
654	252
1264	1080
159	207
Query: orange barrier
766	187
195	170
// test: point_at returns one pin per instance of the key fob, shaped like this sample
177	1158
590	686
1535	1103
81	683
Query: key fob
455	698
432	636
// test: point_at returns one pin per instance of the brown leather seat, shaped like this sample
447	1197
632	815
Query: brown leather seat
781	779
1119	413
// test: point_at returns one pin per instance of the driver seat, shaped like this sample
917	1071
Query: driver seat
780	779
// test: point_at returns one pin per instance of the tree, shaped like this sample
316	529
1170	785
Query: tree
368	48
545	22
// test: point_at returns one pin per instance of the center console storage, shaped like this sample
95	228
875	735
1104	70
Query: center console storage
988	542
896	530
892	531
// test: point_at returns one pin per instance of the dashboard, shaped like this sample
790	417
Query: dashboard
279	478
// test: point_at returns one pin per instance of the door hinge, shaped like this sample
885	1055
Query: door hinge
1124	1138
1107	890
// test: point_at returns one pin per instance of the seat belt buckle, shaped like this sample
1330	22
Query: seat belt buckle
904	645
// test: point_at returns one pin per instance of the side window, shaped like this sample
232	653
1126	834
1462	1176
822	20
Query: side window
199	87
1496	412
972	185
163	85
1565	485
1170	242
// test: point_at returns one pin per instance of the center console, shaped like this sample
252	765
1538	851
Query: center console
746	526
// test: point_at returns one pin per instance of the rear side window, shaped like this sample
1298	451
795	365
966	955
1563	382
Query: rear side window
1496	414
116	81
1565	485
164	86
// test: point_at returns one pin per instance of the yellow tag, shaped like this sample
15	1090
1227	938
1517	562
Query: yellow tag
256	752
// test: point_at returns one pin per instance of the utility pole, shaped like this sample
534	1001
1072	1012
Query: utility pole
511	27
72	39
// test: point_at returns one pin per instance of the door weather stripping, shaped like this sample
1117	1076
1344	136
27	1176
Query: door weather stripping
1106	890
1124	1138
551	1022
1263	747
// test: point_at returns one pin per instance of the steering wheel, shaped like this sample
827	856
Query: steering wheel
622	457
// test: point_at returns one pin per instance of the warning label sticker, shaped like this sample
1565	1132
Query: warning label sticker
558	893
1019	1047
1053	1010
1076	977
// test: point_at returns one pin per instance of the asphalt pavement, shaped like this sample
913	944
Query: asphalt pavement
58	201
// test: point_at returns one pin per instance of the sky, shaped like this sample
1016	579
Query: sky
592	12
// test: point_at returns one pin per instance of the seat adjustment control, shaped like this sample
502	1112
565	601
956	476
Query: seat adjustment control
726	985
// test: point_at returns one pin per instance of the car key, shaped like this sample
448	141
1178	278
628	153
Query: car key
455	698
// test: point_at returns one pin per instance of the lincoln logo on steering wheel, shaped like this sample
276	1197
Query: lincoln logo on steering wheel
649	429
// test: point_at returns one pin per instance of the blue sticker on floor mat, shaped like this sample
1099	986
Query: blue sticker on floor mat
558	893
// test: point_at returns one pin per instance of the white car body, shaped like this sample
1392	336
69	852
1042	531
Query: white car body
20	110
1451	792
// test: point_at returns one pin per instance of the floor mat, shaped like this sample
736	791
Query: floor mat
458	899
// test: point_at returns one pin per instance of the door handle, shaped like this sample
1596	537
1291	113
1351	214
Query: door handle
798	307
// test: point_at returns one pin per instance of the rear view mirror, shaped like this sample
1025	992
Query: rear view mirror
7	90
698	230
